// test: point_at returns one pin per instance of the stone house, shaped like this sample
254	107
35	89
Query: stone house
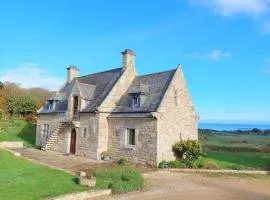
137	117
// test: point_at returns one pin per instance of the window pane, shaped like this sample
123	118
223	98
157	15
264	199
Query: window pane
131	136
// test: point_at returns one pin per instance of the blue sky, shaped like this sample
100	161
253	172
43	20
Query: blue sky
223	46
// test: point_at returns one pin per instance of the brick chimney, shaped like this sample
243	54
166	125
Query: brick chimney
72	72
128	60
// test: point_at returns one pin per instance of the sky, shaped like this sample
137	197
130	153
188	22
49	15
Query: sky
223	46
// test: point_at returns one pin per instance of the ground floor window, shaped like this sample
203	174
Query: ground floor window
130	137
45	133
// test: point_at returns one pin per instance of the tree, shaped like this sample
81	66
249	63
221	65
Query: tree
1	85
21	104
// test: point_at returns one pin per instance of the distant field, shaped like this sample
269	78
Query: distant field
237	151
18	130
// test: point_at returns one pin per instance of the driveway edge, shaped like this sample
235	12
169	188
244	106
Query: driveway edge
224	171
82	195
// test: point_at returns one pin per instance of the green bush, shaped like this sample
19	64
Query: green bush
120	179
189	149
163	164
123	161
211	165
172	164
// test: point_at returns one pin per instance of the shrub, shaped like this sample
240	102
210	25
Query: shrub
120	179
123	161
211	165
172	164
105	153
163	164
189	149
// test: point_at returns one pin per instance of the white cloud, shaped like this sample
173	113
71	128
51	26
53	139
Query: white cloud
257	10
215	55
31	75
235	7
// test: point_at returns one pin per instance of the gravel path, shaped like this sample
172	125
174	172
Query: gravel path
164	185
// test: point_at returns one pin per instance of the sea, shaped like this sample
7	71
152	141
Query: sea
232	127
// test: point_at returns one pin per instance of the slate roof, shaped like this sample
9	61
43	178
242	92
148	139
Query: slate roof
104	82
151	87
95	87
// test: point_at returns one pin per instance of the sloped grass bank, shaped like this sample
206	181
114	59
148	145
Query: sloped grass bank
18	130
120	179
239	160
224	160
23	180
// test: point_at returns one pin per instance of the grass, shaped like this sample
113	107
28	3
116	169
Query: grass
120	179
23	180
236	151
18	130
239	160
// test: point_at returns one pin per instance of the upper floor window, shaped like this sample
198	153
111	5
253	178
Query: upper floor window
75	105
135	102
84	132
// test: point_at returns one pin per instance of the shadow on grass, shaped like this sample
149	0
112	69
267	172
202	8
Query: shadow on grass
76	180
28	134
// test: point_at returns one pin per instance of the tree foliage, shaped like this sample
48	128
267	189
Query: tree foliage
189	149
15	100
1	85
21	104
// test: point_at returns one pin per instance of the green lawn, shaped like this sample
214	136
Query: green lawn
236	151
23	180
18	130
239	160
120	179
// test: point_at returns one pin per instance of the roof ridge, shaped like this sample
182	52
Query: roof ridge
101	72
156	73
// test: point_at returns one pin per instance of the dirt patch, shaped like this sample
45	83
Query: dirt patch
173	186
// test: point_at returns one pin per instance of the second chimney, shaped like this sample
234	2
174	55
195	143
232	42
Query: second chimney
72	72
128	60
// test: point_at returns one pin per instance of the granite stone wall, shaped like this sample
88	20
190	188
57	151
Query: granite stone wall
177	118
145	149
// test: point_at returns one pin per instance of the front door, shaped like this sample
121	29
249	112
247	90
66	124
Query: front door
73	141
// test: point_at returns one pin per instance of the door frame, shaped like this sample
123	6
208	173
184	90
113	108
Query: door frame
73	136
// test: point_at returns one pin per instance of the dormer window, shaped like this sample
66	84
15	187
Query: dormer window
50	107
136	101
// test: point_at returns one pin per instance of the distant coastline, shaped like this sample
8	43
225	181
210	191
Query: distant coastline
233	127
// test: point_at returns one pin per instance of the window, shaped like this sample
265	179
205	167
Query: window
84	132
75	105
46	131
135	102
130	137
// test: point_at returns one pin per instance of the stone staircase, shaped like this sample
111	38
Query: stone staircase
54	136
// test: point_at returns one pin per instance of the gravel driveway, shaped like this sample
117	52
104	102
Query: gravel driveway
163	185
